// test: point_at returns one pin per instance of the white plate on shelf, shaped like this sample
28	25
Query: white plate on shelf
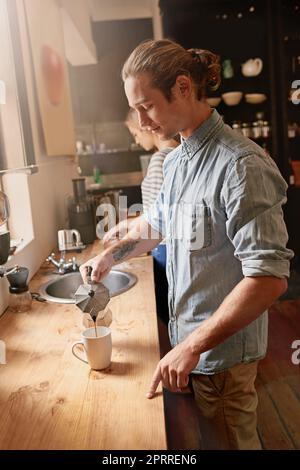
255	98
214	102
232	98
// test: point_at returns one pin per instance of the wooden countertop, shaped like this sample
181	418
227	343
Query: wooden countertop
51	400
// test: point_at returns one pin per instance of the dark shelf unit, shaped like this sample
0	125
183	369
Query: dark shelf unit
290	50
200	23
288	27
272	32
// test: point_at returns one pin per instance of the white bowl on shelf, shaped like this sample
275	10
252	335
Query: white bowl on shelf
255	98
214	102
232	98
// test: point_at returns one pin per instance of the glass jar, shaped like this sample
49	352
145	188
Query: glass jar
266	130
19	301
256	130
260	115
291	174
246	130
237	126
292	130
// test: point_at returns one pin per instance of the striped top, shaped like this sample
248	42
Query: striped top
153	180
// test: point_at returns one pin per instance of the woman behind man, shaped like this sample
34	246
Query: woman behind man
150	189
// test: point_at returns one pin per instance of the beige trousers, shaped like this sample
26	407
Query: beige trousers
227	402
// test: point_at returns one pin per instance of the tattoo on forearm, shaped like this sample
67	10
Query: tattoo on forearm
120	252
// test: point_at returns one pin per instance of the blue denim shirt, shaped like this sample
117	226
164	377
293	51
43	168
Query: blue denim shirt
220	209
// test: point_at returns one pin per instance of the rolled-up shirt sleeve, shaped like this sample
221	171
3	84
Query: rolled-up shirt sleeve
253	195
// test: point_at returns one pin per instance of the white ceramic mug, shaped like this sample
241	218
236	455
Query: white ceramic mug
252	67
97	349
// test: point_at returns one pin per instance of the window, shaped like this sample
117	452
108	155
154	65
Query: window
16	141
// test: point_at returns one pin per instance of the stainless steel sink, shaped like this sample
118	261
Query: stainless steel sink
62	288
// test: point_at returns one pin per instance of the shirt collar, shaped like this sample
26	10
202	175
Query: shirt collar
202	134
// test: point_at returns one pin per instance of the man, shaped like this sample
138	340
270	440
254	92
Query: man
220	211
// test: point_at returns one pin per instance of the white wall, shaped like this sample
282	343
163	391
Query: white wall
38	201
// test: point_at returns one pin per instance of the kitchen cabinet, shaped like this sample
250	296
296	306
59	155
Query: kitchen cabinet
79	45
97	90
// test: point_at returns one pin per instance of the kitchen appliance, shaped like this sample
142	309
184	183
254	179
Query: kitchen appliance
92	298
81	212
69	240
4	236
4	246
107	212
20	298
4	208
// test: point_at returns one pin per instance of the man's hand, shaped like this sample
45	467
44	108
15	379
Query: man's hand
174	368
242	306
101	265
132	245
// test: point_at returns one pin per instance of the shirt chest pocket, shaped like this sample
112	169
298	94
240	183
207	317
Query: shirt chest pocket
193	223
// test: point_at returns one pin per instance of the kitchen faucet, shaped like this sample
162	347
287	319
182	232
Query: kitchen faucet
62	266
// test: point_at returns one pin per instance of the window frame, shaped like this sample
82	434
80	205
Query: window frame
22	99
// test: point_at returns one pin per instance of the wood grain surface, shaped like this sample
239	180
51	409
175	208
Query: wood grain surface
51	400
